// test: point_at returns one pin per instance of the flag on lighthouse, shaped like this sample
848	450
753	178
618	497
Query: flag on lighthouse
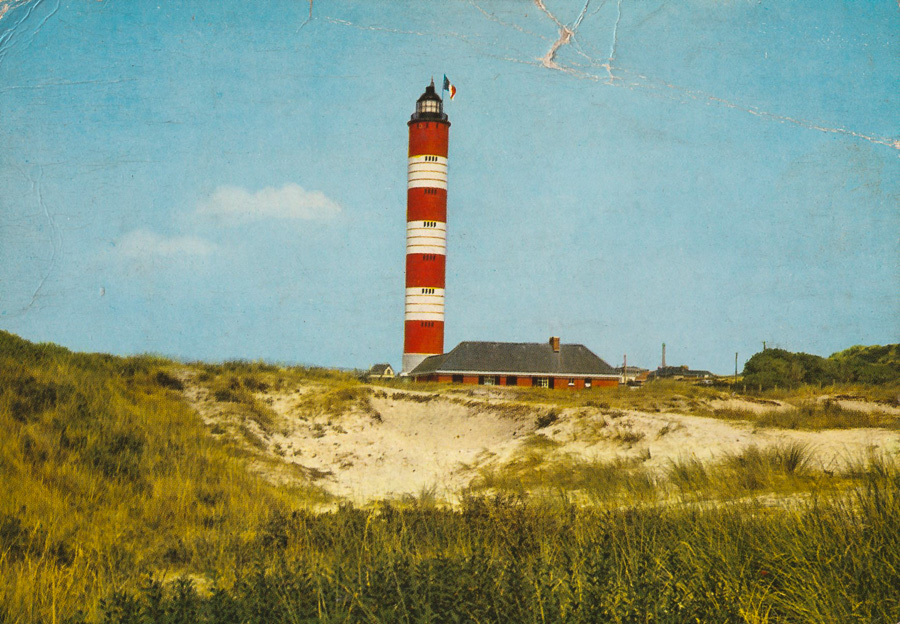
449	87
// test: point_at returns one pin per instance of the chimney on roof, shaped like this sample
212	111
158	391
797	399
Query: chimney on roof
554	342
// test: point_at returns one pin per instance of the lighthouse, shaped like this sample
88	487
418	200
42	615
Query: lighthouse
426	230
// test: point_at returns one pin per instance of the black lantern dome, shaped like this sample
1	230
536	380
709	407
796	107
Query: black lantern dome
429	107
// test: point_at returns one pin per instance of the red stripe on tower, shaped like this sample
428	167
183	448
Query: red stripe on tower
426	230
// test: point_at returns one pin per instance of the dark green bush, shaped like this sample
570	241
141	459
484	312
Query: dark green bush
166	380
784	369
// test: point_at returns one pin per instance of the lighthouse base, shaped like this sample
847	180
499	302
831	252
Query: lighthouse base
411	360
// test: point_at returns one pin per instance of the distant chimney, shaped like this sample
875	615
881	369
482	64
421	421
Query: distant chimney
554	342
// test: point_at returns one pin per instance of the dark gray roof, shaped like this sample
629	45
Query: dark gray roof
379	369
632	369
516	358
679	371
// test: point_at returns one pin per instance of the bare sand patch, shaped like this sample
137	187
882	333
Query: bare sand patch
412	443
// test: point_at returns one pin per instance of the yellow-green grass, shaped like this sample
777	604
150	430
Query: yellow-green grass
541	468
816	415
106	475
505	558
887	393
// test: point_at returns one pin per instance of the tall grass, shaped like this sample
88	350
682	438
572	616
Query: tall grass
506	559
117	505
106	474
782	470
811	414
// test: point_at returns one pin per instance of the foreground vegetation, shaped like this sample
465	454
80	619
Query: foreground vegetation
105	474
503	559
118	504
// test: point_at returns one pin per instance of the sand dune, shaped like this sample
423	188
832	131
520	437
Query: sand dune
410	443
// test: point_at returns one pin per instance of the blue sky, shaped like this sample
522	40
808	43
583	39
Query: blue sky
227	180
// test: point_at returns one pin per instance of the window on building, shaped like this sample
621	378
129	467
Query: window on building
571	382
511	380
487	380
457	378
587	383
541	382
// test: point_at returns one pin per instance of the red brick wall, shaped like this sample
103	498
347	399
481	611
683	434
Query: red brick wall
557	383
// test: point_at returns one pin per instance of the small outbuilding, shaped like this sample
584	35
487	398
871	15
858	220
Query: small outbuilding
381	371
632	375
523	364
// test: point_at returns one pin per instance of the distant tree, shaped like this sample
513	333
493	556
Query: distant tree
777	367
871	365
868	365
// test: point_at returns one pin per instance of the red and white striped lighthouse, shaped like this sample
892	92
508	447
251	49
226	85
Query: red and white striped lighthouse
426	230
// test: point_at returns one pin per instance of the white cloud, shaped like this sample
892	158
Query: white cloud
291	201
146	244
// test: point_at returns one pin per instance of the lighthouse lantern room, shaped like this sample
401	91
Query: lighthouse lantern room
426	230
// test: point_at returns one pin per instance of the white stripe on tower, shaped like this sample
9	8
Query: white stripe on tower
425	304
427	171
426	237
